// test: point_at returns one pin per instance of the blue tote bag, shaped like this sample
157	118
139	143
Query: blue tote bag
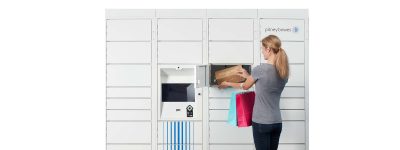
232	116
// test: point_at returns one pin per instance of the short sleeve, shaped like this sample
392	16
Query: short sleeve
256	73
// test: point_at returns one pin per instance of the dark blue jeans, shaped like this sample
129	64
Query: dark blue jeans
266	136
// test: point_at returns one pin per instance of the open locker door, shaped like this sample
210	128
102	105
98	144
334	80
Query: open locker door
200	76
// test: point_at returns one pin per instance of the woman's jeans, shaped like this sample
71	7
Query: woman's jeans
266	136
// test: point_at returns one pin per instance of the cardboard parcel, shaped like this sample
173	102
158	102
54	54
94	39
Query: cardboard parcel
229	74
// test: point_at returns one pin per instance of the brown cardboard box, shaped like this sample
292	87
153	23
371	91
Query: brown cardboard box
229	74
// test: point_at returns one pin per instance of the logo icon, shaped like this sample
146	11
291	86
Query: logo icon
295	29
189	111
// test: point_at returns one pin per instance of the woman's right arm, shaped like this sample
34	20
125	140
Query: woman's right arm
249	79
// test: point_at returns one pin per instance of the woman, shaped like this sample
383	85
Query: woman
270	79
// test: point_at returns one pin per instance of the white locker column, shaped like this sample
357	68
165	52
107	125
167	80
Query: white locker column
180	42
231	41
290	27
129	84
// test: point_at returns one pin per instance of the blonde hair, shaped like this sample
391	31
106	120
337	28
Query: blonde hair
281	61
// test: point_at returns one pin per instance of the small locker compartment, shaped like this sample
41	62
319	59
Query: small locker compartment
180	52
231	52
133	132
217	67
129	30
180	29
231	29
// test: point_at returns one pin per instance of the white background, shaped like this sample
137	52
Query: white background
52	71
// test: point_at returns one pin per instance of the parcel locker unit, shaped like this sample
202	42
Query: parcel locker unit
161	93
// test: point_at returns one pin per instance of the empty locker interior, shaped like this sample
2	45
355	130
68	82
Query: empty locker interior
151	49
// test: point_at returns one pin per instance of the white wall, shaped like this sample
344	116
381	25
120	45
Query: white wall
139	40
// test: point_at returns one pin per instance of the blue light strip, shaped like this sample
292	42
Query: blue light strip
178	136
182	134
174	135
167	134
171	134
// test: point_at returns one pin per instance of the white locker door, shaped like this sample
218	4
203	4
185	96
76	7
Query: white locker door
137	103
295	51
128	92
129	30
292	103
231	52
128	75
128	147
296	75
231	29
128	52
180	52
180	29
293	132
293	92
129	132
128	115
219	103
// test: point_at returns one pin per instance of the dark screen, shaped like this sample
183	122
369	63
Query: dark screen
177	92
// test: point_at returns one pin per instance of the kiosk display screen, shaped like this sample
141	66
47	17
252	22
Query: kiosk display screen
177	92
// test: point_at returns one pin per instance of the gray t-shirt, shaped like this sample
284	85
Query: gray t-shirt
269	87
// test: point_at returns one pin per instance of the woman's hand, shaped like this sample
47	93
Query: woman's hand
223	85
243	73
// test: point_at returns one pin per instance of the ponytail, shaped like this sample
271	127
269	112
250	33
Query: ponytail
281	61
282	64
